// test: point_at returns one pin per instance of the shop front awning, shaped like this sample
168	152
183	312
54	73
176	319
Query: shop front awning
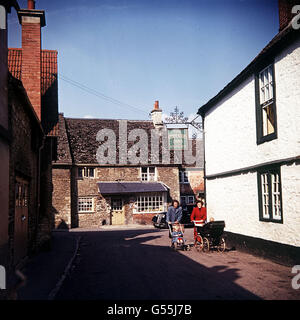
130	187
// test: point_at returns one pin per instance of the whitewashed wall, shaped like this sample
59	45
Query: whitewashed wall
230	128
230	144
235	200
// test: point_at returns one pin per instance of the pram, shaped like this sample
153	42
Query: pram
178	241
209	236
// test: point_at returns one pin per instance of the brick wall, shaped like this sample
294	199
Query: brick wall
195	185
31	60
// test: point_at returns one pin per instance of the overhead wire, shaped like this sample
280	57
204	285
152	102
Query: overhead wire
99	94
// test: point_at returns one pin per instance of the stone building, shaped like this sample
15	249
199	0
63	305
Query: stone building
32	116
88	193
252	165
5	137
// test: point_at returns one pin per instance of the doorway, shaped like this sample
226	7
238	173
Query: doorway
21	219
117	211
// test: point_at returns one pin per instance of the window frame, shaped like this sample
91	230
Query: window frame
182	174
149	195
86	172
269	171
86	211
260	137
148	174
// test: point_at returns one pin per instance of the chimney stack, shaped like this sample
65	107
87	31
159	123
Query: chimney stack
156	115
31	4
285	12
32	20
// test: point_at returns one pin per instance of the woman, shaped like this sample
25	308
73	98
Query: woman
174	213
198	213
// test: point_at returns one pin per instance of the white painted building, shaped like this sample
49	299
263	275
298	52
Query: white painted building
252	148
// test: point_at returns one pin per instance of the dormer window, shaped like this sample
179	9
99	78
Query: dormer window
86	172
148	174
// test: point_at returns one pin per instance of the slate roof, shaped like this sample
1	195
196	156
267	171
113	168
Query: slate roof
77	142
48	84
279	42
130	187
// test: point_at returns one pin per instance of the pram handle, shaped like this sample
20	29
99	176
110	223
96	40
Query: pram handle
198	223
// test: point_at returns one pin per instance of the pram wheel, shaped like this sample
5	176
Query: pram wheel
198	243
222	245
205	245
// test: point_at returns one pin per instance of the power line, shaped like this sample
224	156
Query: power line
99	94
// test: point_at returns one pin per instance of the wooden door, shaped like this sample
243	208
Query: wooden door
21	219
117	211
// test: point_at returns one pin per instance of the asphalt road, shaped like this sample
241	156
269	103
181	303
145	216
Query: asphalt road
139	264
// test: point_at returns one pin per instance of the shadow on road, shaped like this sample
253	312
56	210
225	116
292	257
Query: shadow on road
139	264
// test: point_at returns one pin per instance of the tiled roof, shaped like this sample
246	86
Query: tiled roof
15	62
48	84
77	139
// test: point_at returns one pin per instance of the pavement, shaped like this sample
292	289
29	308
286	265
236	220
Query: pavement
137	263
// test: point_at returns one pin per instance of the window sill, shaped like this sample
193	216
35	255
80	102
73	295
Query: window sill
271	220
267	138
86	212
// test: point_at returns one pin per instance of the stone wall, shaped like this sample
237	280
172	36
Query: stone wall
61	205
23	163
68	188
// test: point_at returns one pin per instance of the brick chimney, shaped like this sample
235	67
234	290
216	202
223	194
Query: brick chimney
285	12
156	115
32	20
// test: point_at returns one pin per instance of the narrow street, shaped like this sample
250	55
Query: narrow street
122	264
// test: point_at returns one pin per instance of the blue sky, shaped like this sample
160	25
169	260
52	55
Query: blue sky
180	52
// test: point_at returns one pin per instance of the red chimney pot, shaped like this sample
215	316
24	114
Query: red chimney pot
156	105
31	4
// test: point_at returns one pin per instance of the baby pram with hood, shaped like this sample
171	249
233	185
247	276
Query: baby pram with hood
210	236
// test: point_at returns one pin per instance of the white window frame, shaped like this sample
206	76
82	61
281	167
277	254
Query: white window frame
270	196
87	209
266	120
147	199
86	173
148	175
184	177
